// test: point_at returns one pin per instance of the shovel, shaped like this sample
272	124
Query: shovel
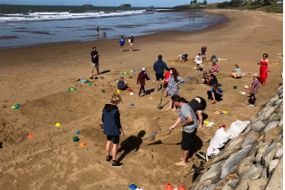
153	134
160	106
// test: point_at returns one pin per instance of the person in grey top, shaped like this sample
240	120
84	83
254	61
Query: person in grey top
189	123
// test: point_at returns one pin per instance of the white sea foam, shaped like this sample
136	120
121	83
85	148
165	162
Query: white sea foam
44	16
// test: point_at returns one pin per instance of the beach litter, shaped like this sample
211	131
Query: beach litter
132	105
134	187
242	92
16	106
31	136
57	124
103	91
75	139
82	145
131	93
221	112
118	91
71	89
77	132
246	86
208	123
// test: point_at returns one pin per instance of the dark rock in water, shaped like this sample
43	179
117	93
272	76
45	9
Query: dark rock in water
258	184
258	125
271	126
233	160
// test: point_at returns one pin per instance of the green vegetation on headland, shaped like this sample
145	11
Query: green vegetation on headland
9	9
275	6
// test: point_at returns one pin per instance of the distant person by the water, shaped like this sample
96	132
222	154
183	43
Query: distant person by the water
263	70
122	43
203	51
215	94
199	62
131	42
253	90
189	123
112	129
98	31
159	66
236	73
122	84
95	60
142	77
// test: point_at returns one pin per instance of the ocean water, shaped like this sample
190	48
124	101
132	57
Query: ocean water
22	29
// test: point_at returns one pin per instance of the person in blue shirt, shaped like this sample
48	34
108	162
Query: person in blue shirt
122	84
159	66
215	93
122	43
112	129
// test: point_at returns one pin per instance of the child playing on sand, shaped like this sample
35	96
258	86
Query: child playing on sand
131	42
95	60
122	84
112	129
203	51
183	57
166	79
142	77
199	62
215	68
122	43
215	94
253	90
236	73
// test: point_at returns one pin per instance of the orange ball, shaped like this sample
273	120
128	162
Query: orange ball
168	187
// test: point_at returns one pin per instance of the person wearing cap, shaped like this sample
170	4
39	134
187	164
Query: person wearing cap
142	77
159	66
253	89
189	123
112	129
236	73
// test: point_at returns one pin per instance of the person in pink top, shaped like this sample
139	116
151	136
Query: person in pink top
263	70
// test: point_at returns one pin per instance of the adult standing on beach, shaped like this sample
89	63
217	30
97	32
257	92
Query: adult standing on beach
98	32
95	60
122	43
263	71
189	123
131	42
159	66
112	129
173	86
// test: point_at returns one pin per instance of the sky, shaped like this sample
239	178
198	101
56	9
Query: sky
161	3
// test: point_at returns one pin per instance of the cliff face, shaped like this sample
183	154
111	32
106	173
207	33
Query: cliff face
248	161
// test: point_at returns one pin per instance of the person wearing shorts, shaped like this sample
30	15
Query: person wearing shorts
131	42
159	66
189	123
122	43
112	129
95	60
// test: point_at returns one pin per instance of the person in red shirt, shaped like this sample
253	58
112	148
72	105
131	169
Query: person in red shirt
166	78
142	77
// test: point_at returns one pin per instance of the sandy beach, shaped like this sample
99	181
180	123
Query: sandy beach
37	78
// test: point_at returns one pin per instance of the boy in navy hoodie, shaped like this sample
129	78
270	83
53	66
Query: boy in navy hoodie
112	129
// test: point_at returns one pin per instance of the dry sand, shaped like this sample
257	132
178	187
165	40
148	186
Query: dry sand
37	77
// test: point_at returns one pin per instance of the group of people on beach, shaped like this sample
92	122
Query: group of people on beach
191	114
